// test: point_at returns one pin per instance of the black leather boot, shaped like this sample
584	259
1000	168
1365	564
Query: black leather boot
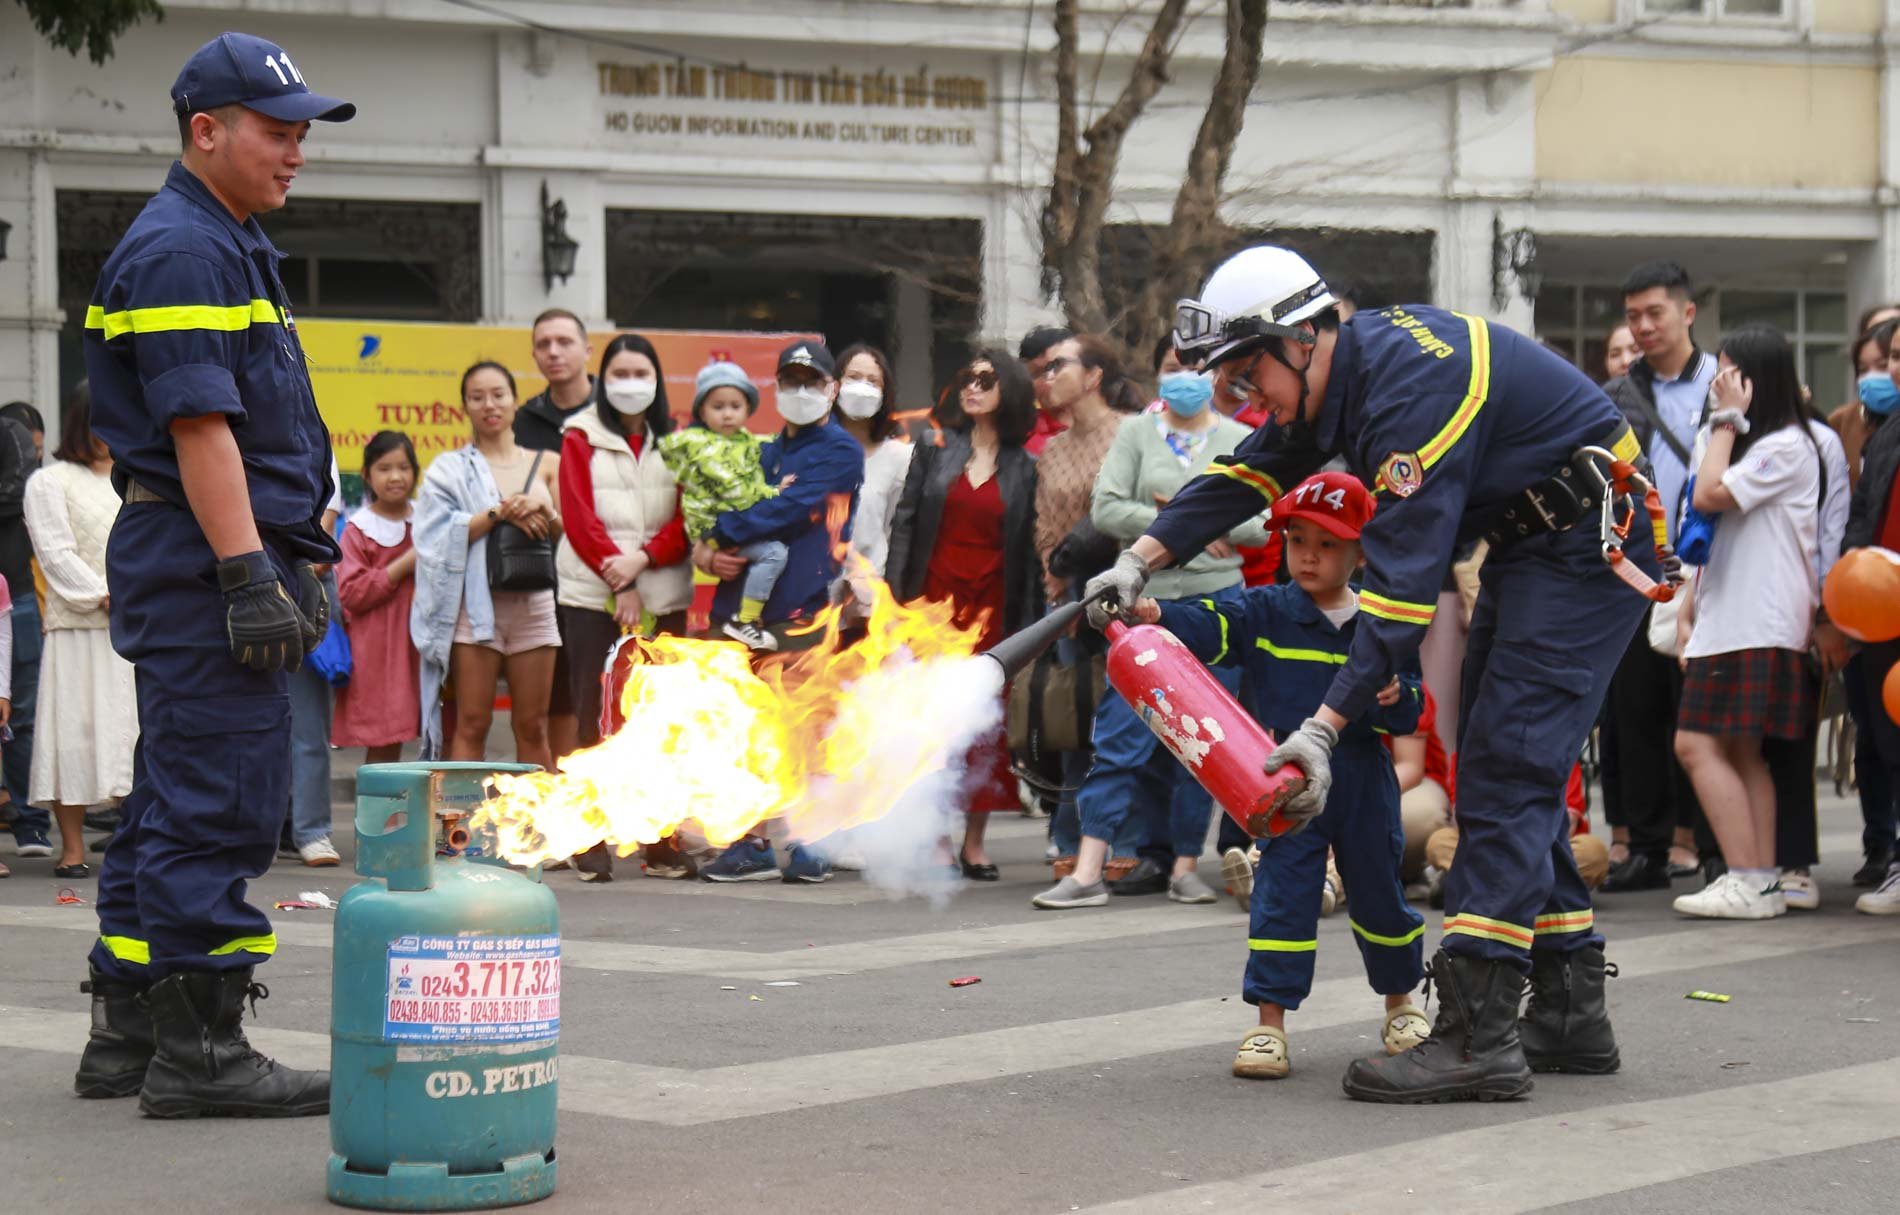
204	1068
120	1045
1473	1053
1567	1026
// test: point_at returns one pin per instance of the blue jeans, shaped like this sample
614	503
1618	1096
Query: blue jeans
16	757
312	705
765	561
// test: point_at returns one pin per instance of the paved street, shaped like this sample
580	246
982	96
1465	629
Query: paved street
1088	1070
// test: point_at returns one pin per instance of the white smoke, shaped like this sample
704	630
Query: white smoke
902	718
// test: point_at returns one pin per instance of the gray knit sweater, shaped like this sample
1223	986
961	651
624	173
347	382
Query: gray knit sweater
1140	465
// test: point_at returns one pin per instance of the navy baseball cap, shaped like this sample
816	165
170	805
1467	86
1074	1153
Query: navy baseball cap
246	70
808	354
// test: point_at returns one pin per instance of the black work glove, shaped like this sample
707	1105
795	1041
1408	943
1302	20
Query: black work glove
314	604
265	628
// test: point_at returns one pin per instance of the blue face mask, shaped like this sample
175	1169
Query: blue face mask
1878	392
1186	392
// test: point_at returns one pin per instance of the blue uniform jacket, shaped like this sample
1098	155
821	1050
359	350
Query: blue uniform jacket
1445	417
1290	653
827	462
190	318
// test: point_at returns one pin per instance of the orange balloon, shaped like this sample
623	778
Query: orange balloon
1862	594
1890	693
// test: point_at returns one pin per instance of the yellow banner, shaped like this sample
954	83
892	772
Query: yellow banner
384	375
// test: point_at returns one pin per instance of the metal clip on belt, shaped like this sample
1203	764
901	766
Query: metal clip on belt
1622	484
134	492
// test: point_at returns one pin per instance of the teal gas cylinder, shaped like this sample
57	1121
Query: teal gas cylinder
445	1007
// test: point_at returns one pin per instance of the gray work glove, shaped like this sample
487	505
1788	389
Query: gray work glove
1120	585
1309	748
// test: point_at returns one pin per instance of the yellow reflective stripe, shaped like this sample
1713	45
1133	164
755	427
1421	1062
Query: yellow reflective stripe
1395	942
1397	609
1292	654
266	944
1490	930
1253	478
1209	605
128	949
1566	921
182	316
1477	388
1264	946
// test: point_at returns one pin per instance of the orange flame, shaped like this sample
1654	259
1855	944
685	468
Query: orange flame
830	737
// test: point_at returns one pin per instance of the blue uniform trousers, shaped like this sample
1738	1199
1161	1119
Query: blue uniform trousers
1361	825
1550	626
211	775
1134	773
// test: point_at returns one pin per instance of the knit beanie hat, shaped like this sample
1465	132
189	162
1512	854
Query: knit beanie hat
725	375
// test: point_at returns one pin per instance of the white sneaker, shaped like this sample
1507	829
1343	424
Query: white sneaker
1728	898
320	854
1237	871
1799	891
1883	900
1330	898
754	636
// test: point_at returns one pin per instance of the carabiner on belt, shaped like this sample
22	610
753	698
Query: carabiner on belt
1621	485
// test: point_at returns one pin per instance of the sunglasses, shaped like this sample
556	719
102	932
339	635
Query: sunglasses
1057	364
983	381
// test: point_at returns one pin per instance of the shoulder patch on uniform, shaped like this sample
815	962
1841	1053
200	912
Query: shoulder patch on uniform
1402	473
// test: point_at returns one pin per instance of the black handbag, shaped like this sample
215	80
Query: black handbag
516	560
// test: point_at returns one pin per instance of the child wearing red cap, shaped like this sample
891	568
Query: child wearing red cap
1291	639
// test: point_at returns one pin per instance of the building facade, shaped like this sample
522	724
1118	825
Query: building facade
876	170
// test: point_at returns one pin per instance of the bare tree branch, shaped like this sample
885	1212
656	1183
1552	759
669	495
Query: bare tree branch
1084	180
1195	229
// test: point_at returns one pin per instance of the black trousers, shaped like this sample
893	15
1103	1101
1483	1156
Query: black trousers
1644	787
1874	734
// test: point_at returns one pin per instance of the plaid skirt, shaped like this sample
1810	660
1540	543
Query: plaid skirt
1766	693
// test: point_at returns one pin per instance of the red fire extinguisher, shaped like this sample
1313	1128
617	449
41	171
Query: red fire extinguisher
1215	739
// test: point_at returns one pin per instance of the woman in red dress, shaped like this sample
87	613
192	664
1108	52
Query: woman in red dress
965	532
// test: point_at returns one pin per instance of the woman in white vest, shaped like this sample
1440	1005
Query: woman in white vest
622	560
88	713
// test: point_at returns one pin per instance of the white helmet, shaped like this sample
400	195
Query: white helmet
1259	293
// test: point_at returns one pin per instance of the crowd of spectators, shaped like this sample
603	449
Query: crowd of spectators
509	570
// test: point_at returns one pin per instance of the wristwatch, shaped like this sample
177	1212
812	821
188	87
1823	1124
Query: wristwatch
494	514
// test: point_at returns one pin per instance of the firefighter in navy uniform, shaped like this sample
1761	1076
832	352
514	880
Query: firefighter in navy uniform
1462	428
200	389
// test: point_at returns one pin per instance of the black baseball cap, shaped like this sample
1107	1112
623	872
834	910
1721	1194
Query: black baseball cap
808	354
246	70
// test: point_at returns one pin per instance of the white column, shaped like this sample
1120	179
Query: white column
1013	302
520	287
1873	270
1493	171
30	317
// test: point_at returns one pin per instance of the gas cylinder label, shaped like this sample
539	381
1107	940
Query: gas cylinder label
473	989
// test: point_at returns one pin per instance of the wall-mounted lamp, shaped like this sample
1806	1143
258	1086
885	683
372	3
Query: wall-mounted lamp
557	247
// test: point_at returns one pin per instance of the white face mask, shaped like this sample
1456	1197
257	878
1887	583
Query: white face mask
631	397
860	399
803	406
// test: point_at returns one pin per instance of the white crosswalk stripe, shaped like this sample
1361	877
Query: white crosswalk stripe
1535	1163
682	1097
